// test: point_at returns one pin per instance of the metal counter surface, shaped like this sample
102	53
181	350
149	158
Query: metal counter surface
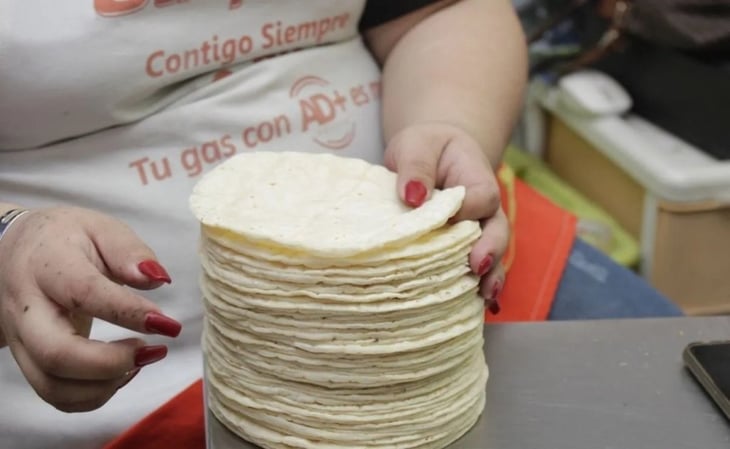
614	384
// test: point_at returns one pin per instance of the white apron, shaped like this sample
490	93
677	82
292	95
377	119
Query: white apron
121	106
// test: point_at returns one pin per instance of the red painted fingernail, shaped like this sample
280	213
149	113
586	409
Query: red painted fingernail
154	271
129	379
496	290
149	354
485	265
415	193
161	324
494	308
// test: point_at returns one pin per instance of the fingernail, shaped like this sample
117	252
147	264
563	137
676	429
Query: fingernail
485	265
129	379
415	193
494	308
149	354
154	271
161	324
496	290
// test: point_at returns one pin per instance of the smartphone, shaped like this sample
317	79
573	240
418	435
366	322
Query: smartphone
709	363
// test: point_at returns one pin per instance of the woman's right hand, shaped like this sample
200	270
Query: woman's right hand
59	269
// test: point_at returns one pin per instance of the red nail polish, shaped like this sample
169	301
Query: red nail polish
161	324
494	308
485	265
415	193
154	271
496	290
149	354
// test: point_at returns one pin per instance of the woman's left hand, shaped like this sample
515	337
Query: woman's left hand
439	155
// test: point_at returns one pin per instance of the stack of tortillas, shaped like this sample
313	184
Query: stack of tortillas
336	316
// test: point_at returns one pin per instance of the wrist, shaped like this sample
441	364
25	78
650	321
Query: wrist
9	217
492	148
4	207
449	129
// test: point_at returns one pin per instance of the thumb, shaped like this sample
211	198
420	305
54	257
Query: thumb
126	257
414	157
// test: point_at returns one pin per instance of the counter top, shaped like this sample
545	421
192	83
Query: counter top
613	384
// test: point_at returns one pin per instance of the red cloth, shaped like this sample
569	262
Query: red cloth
542	238
178	424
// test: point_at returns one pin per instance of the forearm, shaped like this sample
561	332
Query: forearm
465	65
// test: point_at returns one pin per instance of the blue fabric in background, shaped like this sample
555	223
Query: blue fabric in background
595	287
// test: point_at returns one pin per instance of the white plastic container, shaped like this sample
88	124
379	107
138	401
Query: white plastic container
672	196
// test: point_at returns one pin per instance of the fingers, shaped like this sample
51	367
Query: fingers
414	156
65	264
125	256
66	370
486	255
79	287
440	155
464	163
490	288
51	341
67	395
491	245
